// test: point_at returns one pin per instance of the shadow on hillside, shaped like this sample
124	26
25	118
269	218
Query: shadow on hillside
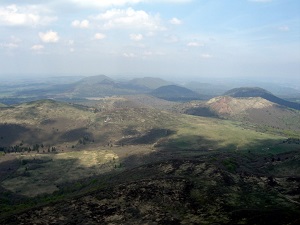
141	175
9	133
250	158
201	111
150	137
76	134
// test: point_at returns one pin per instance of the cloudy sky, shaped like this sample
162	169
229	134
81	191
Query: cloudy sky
192	38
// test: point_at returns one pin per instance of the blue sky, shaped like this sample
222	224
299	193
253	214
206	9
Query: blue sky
166	38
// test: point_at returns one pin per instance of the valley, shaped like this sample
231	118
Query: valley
98	151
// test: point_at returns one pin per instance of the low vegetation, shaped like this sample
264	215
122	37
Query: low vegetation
118	160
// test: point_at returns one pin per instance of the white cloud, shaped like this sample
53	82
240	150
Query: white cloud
129	55
10	45
175	21
150	53
80	24
13	15
136	37
104	3
129	18
118	3
99	36
71	42
37	47
284	28
49	37
206	56
194	44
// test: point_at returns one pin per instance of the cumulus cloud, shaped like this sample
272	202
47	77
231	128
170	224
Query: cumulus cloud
81	24
175	21
136	37
194	44
37	47
99	36
129	18
13	15
49	37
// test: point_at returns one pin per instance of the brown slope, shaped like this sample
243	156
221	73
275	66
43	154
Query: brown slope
56	123
262	93
253	110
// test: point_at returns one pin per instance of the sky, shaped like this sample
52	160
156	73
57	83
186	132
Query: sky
161	38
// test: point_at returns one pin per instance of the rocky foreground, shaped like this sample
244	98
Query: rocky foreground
177	192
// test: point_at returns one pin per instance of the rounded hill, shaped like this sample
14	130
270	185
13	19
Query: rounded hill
246	92
175	93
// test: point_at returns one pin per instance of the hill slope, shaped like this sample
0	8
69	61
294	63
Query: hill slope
259	92
149	82
114	163
254	111
100	86
175	93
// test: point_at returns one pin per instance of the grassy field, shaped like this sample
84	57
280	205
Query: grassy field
44	173
213	134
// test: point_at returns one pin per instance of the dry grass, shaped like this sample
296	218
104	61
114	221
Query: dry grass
216	134
42	173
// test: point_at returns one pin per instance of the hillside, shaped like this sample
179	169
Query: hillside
98	79
150	83
175	192
115	160
251	111
175	93
259	92
96	86
108	126
101	86
56	123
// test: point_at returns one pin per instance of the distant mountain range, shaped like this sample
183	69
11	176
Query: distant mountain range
150	83
102	86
